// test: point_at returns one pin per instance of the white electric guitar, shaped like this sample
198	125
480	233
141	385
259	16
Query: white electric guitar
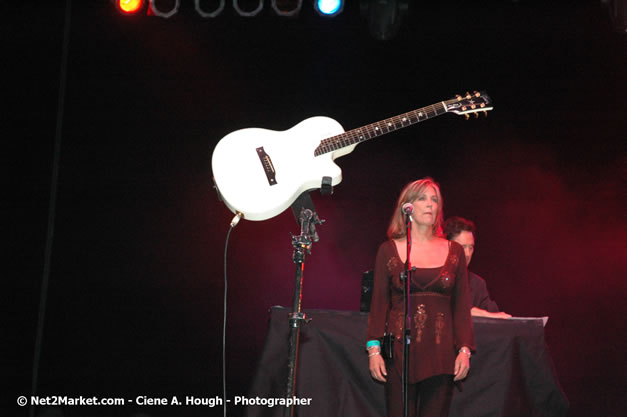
260	172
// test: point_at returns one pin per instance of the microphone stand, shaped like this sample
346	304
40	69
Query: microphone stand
406	276
307	219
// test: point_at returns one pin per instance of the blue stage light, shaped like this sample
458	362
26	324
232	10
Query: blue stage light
329	7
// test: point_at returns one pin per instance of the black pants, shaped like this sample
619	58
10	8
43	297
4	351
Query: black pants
428	398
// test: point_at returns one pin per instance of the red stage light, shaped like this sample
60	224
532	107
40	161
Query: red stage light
129	6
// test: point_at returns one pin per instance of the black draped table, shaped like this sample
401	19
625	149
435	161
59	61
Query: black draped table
511	375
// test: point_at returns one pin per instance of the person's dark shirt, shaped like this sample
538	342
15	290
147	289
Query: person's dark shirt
479	296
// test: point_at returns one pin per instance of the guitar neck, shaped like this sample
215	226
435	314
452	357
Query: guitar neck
382	127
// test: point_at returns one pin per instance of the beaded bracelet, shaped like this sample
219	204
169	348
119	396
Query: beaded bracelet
374	353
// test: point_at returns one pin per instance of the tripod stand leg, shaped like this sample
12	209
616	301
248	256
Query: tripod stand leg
295	320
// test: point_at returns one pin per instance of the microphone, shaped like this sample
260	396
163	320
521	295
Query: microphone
408	208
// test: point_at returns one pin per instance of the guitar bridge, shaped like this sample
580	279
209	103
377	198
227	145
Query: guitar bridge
267	165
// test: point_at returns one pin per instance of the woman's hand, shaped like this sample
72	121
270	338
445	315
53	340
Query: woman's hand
462	365
377	367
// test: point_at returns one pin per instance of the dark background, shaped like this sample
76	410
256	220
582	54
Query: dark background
134	303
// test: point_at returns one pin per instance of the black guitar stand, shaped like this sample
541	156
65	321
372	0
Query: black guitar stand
307	219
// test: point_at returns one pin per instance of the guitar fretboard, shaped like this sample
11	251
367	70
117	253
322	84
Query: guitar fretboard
382	127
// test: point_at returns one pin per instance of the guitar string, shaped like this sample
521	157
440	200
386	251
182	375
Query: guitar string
355	135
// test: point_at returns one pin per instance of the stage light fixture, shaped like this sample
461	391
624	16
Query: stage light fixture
329	8
244	13
216	12
385	17
155	10
129	6
287	8
617	11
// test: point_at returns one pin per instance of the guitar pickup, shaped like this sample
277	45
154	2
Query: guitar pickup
268	167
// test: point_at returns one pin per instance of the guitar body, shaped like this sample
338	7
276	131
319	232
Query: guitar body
261	172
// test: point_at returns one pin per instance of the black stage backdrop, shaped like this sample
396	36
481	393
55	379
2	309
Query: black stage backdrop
134	305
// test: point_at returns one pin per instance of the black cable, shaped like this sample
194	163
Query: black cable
54	182
226	246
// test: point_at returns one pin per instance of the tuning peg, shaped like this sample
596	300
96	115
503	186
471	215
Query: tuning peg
473	106
458	97
467	94
485	113
467	116
477	94
476	115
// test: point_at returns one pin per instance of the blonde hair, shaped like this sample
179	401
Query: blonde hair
409	194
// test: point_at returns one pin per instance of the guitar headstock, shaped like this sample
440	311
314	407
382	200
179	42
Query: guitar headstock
477	102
